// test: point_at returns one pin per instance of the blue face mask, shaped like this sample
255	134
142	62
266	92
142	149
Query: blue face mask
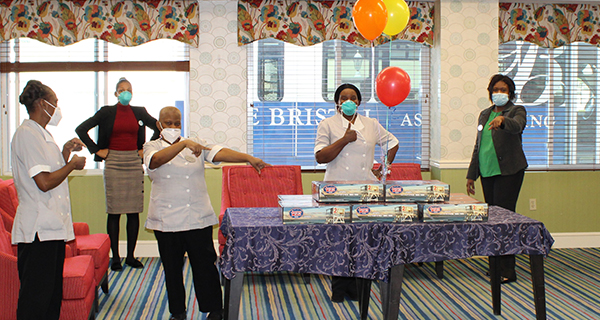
349	107
125	97
499	99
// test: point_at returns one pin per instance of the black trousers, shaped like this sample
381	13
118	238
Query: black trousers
40	265
503	191
199	245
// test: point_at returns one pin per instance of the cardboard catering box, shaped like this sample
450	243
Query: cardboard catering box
301	209
460	208
416	191
347	191
379	212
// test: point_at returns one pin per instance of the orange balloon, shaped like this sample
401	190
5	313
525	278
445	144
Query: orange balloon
370	17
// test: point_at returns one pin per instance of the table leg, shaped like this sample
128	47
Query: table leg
536	263
439	269
390	293
363	287
233	295
495	283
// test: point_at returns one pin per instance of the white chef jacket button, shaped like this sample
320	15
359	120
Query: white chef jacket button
58	163
169	206
346	154
363	168
364	142
60	197
347	168
168	176
67	197
187	205
186	163
188	190
62	214
364	155
187	177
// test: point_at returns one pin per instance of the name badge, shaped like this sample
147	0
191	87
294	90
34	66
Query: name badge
479	127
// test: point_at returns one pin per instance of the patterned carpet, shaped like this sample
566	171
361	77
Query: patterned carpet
572	292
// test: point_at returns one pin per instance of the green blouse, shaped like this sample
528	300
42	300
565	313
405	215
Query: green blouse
488	161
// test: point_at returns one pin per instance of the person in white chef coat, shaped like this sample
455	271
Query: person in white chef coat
346	143
180	212
43	220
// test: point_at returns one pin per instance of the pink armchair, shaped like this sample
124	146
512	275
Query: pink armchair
244	187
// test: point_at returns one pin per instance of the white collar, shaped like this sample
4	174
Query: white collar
357	125
47	135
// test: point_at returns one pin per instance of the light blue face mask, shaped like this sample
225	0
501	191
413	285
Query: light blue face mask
349	107
125	97
499	99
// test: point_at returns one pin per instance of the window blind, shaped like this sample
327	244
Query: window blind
559	89
291	89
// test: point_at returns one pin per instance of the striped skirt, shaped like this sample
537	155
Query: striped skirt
124	182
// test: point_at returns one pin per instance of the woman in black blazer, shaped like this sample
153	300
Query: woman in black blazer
121	136
498	157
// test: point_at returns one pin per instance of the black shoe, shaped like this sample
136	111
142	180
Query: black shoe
179	316
134	263
215	315
116	264
337	297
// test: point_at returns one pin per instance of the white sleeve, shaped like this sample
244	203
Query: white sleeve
385	137
150	148
322	139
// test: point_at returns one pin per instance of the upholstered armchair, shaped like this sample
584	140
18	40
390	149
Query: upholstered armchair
244	187
78	283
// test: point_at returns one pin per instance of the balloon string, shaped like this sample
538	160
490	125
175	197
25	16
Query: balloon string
387	141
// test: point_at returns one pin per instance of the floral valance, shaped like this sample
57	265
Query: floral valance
126	23
306	23
550	25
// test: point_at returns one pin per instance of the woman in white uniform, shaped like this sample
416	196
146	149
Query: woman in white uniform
180	212
43	220
346	142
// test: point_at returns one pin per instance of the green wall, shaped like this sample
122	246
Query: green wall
567	201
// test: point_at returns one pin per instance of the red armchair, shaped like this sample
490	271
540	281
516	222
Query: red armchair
96	245
403	171
244	187
8	197
78	284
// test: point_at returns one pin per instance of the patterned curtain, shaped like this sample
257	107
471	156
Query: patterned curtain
126	23
306	23
550	25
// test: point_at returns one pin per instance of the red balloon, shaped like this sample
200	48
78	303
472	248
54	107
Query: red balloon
392	86
370	17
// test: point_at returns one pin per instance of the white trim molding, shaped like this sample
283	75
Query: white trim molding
450	164
576	240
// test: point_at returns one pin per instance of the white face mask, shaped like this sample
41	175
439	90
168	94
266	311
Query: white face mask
170	134
55	117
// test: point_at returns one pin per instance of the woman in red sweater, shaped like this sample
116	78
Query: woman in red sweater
121	136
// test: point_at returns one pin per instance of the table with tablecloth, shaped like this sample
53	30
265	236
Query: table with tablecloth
258	241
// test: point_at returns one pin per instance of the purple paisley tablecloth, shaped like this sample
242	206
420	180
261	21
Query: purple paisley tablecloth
258	241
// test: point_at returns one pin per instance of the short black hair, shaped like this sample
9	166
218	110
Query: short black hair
341	88
33	91
506	79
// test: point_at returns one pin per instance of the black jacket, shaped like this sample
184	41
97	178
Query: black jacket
507	141
105	119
